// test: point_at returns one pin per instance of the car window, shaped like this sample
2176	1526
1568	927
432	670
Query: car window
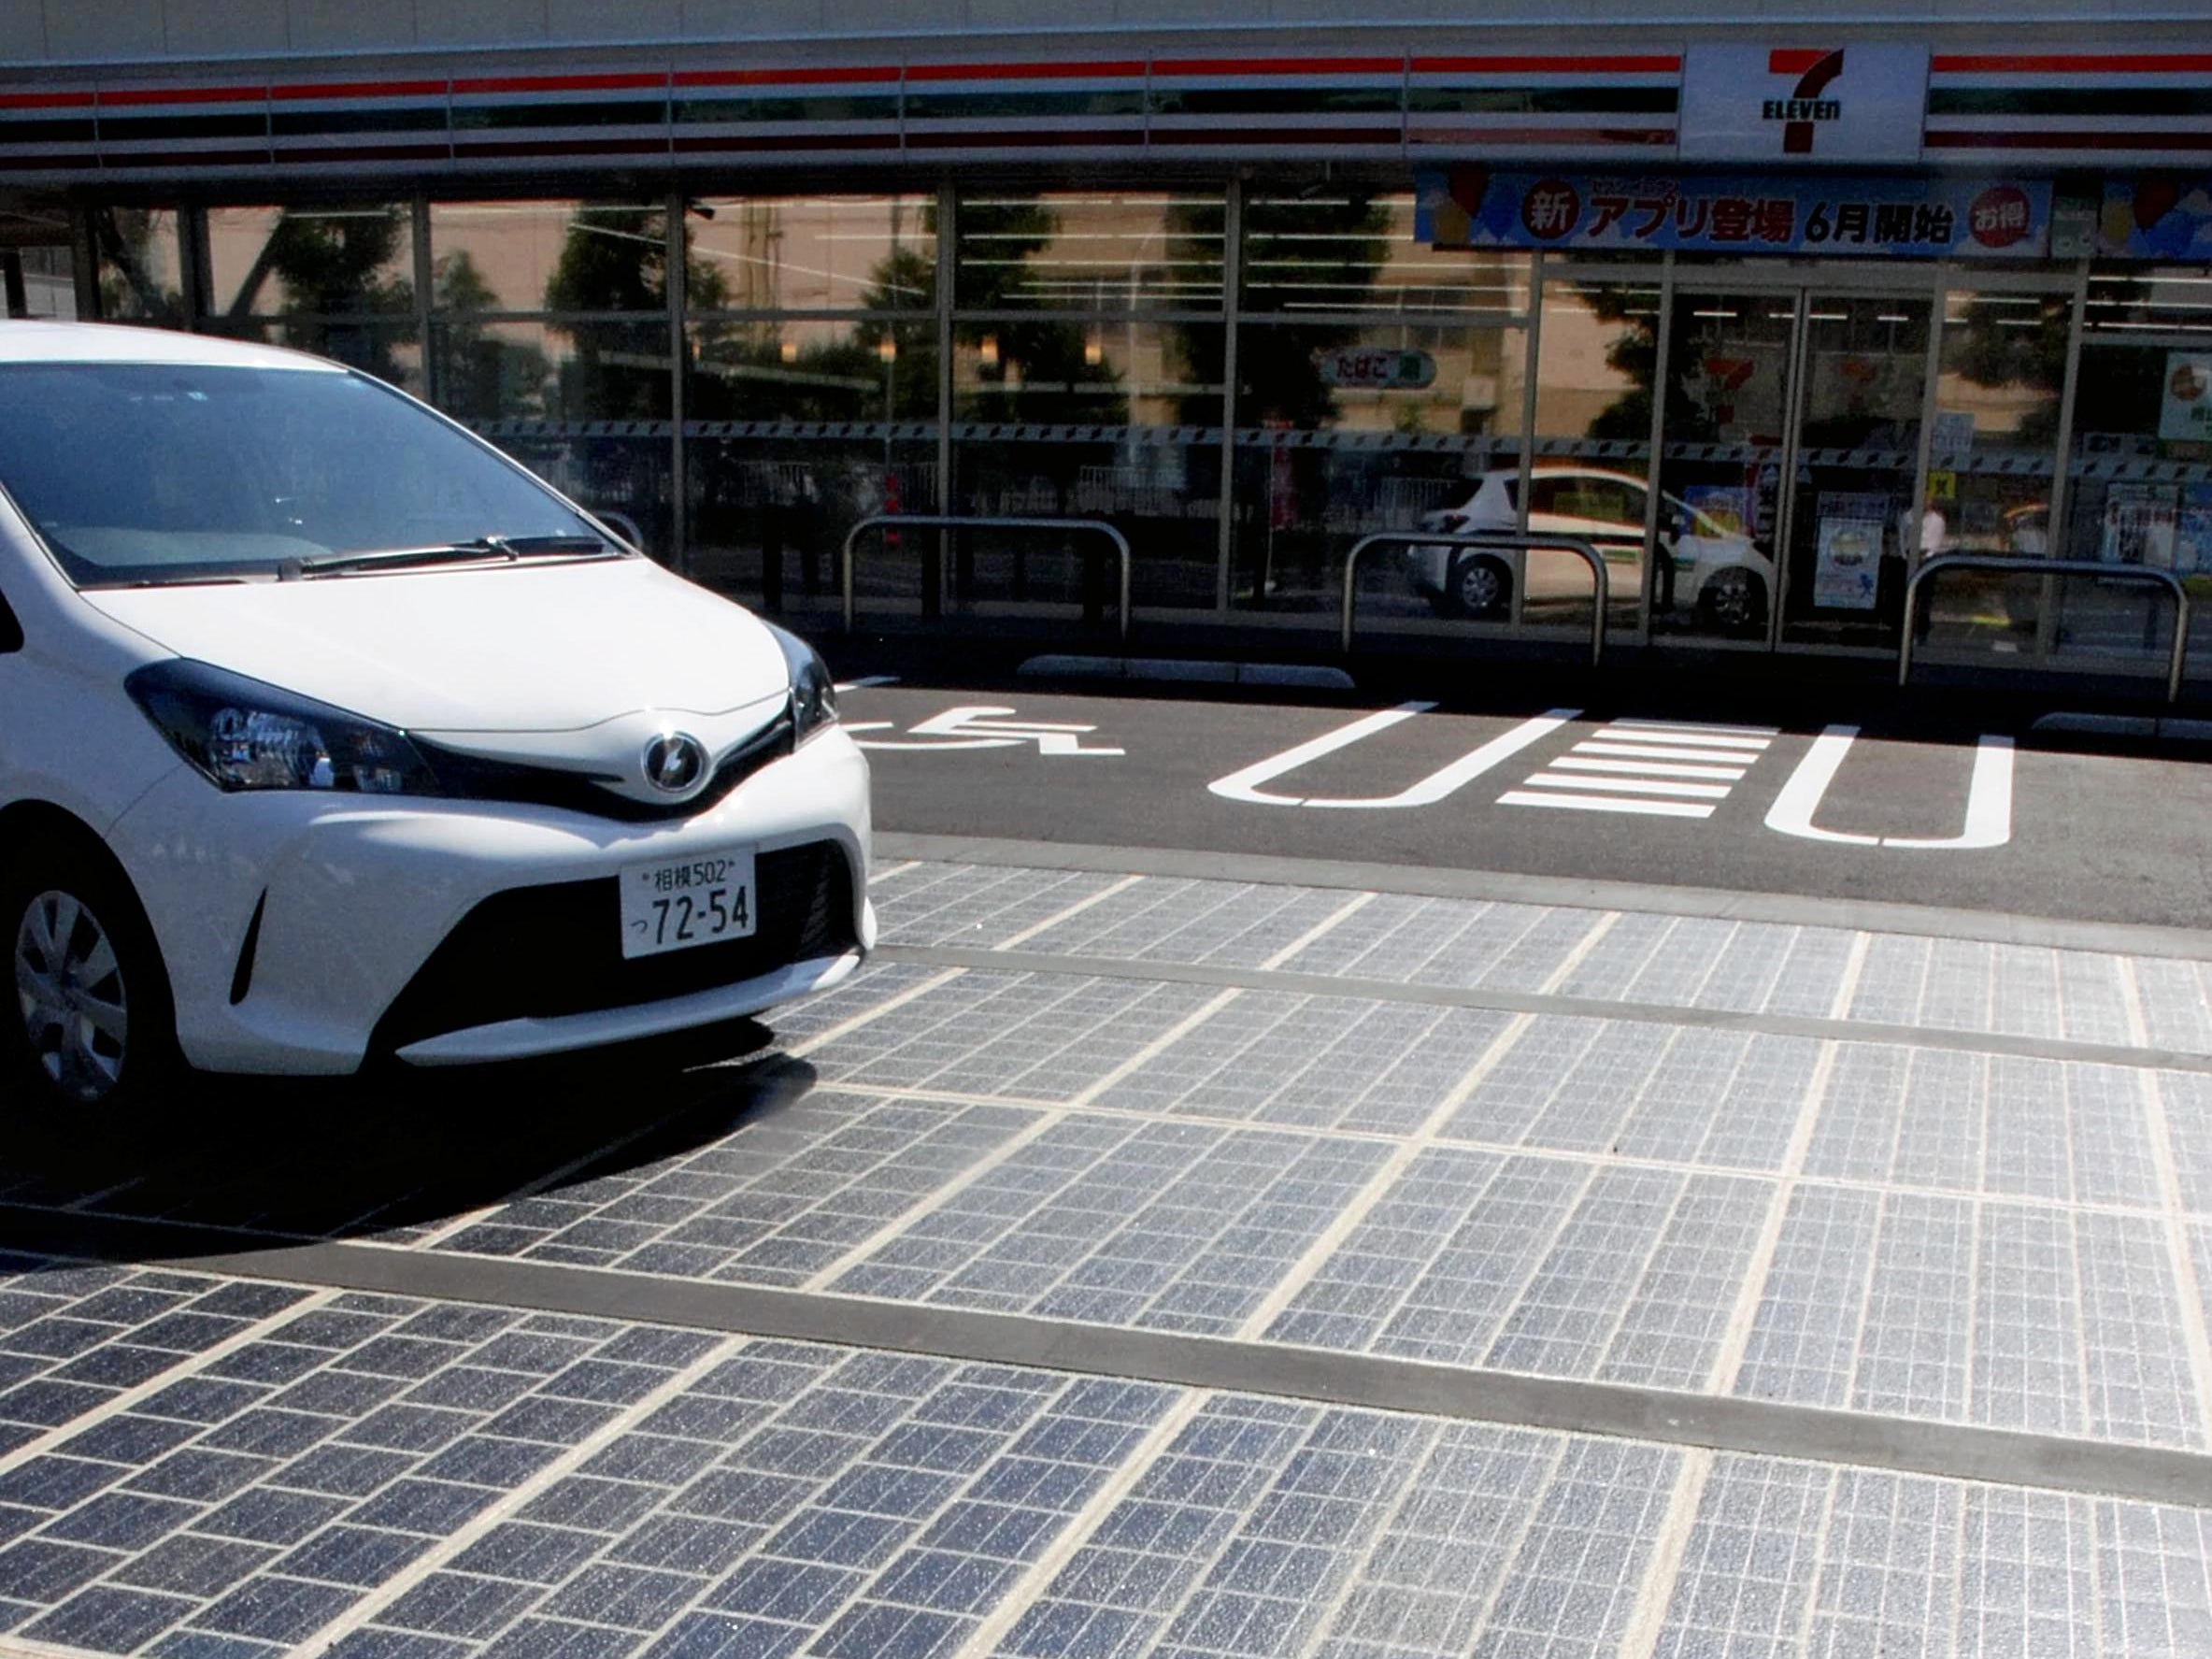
135	472
1608	501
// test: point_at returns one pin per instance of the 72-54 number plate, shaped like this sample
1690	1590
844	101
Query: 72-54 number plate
681	902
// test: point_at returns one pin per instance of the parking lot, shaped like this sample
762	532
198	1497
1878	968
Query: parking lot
1132	1262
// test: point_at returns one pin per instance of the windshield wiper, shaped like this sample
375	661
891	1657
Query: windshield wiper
503	548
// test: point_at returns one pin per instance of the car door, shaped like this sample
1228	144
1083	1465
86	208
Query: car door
1593	506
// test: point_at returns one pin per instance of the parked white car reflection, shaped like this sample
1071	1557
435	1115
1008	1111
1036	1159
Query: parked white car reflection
1717	573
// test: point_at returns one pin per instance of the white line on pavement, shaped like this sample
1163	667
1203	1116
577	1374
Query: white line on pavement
1634	786
1522	797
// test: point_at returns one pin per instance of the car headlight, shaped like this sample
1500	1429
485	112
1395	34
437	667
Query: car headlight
814	692
241	734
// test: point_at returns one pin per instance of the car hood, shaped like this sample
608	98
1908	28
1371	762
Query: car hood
511	648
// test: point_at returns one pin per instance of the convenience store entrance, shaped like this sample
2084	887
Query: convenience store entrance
1791	461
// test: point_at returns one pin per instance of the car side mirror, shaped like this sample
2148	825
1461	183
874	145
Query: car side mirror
11	631
622	525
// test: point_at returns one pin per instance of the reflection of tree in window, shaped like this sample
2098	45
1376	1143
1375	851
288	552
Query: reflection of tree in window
1048	370
130	288
482	376
332	267
616	259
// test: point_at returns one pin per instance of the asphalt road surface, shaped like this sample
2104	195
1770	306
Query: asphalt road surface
1982	817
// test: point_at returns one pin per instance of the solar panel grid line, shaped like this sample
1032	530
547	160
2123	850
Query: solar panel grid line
189	1365
572	1458
1386	1175
993	1628
2195	1341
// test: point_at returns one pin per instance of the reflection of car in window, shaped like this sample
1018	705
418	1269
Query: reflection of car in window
1719	572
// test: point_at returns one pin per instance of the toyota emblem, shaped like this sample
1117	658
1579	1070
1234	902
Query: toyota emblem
675	763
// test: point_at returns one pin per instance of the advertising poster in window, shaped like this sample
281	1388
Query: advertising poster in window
2185	410
1729	505
2193	531
2139	524
1849	552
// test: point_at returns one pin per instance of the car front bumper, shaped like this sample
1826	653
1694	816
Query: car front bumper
355	897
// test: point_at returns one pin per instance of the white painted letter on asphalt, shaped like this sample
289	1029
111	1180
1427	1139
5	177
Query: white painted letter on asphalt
1988	798
1245	786
981	727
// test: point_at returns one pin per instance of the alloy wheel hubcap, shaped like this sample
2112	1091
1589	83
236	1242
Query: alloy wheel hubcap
1479	587
69	992
1732	601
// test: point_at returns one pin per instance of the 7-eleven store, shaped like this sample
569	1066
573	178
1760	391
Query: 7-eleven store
1770	319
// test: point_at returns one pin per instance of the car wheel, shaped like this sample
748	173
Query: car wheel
1481	586
90	1034
1733	602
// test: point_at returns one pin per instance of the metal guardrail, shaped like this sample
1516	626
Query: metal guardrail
2015	566
963	521
1517	546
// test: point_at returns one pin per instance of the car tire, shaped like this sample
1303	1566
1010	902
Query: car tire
88	1029
1480	586
1733	602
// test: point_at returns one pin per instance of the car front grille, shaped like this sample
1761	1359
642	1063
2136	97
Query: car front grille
539	952
472	778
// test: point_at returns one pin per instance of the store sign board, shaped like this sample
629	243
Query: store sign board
1369	368
1817	105
2156	216
1912	217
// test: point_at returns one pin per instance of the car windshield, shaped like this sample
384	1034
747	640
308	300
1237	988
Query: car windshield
138	473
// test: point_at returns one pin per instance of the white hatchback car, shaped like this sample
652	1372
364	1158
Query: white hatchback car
1718	574
331	733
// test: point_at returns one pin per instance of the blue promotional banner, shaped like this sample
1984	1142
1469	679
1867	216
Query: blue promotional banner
2158	216
1470	206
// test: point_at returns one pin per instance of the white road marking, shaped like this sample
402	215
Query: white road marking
1245	786
864	681
1632	786
1569	762
1655	751
986	726
1529	797
1988	798
1100	897
1634	761
1701	725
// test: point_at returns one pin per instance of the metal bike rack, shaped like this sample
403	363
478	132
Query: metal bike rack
1497	541
2021	566
962	521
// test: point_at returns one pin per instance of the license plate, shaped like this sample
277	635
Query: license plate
681	902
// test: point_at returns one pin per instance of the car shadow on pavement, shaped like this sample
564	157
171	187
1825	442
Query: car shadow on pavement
394	1154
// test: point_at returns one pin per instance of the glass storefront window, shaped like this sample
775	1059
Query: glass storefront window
1099	403
813	253
1345	429
799	368
549	256
392	352
1591	473
1334	252
1117	251
353	260
546	393
141	266
1993	456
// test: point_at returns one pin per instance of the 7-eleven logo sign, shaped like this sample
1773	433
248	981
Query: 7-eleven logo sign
1804	108
1865	103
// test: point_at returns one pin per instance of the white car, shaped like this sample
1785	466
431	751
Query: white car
331	733
1714	572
